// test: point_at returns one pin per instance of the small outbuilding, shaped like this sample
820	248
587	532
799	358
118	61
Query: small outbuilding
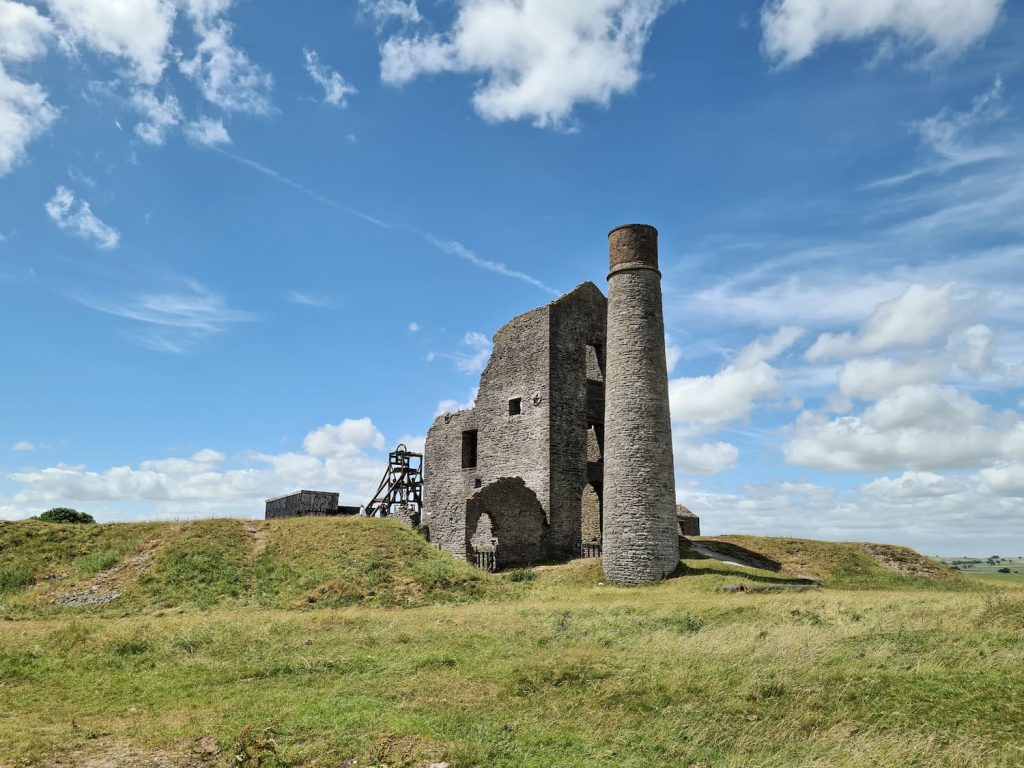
689	523
307	503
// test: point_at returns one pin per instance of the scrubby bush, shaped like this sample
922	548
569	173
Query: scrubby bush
521	574
65	515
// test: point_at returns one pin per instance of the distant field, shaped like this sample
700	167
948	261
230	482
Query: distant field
987	571
325	643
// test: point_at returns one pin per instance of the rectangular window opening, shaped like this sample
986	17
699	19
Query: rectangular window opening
595	369
469	440
515	406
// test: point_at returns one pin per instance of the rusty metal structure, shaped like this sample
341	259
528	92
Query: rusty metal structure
400	493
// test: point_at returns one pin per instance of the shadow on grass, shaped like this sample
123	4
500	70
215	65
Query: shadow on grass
685	570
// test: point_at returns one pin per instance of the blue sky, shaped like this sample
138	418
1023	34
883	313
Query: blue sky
244	250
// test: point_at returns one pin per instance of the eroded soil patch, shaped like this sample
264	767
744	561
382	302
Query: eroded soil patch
107	586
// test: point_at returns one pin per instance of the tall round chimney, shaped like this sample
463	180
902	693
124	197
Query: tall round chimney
641	540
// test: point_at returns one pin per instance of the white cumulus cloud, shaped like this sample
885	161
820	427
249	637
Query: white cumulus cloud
342	457
704	458
161	115
349	436
24	32
918	427
1004	479
80	220
535	59
916	317
912	485
706	403
136	30
225	75
25	114
207	132
794	29
874	378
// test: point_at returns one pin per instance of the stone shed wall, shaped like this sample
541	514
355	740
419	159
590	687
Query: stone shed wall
315	503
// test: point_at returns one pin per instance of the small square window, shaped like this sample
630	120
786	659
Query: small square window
515	406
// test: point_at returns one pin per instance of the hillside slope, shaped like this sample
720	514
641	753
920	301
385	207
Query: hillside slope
845	565
277	564
334	562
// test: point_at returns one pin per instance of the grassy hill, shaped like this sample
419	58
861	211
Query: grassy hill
319	642
48	568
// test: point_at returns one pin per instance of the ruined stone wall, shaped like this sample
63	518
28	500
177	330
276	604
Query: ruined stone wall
445	484
508	445
539	417
315	503
640	530
578	341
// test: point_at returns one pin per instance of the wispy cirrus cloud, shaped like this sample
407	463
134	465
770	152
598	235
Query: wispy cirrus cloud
76	216
171	321
310	300
450	247
336	88
948	137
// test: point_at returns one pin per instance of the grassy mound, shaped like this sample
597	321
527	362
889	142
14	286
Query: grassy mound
847	565
127	568
335	562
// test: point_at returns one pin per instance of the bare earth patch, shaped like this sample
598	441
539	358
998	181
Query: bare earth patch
907	562
107	586
257	533
118	755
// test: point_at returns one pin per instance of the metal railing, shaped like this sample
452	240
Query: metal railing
486	561
589	549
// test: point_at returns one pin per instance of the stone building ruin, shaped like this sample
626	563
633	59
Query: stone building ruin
523	468
523	476
307	504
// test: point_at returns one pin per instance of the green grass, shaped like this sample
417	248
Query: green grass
986	571
404	657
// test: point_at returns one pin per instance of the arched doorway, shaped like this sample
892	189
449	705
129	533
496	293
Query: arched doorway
483	544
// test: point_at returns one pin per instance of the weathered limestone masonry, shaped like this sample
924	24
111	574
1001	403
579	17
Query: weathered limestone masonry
641	541
517	478
569	442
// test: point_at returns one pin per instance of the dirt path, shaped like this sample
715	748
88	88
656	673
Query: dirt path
257	533
116	755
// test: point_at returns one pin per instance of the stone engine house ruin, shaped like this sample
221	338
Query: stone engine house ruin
520	477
